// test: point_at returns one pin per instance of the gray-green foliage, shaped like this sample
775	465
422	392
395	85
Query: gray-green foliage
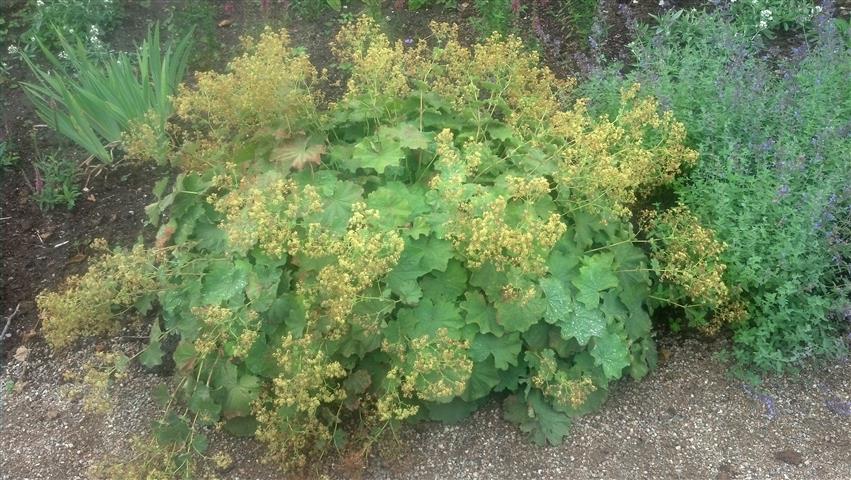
773	135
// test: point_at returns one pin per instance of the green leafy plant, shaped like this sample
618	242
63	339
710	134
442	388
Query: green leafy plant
493	16
199	18
8	157
455	226
99	101
50	20
772	177
55	181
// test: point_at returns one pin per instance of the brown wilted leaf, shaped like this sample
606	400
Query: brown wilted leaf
299	152
225	23
22	353
78	258
164	235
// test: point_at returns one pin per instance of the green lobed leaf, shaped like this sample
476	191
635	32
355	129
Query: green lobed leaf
595	275
504	349
610	351
537	418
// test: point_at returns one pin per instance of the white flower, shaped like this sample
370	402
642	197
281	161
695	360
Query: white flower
732	2
755	2
63	55
12	50
763	24
39	3
765	14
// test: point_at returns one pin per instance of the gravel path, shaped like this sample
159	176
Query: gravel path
689	420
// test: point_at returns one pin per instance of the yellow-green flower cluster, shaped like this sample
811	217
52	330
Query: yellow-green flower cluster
87	305
489	238
271	81
436	368
288	414
222	325
361	256
555	384
377	67
690	257
266	211
99	374
608	163
479	226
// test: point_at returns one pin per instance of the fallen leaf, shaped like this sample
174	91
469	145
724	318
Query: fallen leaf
225	23
22	353
91	197
78	258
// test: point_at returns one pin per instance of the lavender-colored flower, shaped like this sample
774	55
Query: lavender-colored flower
767	401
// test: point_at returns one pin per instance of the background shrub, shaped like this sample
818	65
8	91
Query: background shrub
773	137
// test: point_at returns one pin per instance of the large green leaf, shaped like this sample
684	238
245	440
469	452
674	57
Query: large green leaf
447	285
152	355
516	316
537	418
559	303
504	349
406	135
595	275
397	204
479	312
483	379
375	153
299	152
583	324
225	279
610	352
420	256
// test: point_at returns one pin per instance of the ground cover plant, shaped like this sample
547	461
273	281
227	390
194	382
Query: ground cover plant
456	225
773	135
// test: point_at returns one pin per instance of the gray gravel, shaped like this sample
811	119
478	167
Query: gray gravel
690	419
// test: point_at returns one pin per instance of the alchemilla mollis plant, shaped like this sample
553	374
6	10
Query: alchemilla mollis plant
455	226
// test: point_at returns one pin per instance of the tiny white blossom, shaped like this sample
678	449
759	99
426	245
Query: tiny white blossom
12	50
39	3
765	14
63	55
763	24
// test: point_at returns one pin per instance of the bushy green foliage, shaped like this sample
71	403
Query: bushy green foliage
492	16
8	157
455	226
774	167
94	102
55	181
49	20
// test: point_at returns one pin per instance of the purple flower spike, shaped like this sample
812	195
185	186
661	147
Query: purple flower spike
766	400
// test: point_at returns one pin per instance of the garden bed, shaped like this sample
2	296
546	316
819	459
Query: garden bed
690	418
